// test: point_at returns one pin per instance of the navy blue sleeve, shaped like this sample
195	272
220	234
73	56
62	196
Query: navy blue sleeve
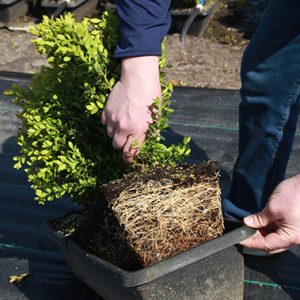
143	26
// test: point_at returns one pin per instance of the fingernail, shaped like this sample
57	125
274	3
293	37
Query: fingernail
249	220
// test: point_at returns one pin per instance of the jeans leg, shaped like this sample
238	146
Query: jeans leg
270	76
278	170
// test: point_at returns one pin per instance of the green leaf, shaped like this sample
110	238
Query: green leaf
92	108
186	140
187	152
112	82
61	37
40	193
45	19
100	104
70	144
17	278
8	92
17	166
46	108
103	98
61	168
181	151
95	21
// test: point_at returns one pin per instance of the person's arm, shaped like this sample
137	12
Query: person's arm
127	114
278	224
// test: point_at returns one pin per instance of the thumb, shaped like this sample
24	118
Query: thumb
259	220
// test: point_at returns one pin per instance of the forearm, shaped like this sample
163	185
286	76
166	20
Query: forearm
143	25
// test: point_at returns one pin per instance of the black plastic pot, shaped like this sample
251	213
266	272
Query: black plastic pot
213	270
193	21
12	9
79	8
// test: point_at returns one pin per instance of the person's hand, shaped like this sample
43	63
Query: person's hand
278	223
128	112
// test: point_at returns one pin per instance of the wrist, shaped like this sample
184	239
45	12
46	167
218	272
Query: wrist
143	68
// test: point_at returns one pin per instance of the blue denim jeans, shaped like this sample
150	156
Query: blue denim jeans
269	108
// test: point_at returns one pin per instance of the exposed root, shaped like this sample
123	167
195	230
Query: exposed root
161	219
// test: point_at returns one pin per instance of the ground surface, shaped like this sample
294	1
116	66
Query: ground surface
200	62
209	61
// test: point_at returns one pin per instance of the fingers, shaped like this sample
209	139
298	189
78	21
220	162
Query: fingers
122	139
130	143
110	129
263	239
279	250
271	243
260	220
275	242
119	140
132	147
103	118
256	241
256	221
269	237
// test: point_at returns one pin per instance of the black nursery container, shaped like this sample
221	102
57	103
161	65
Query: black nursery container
79	8
213	270
12	9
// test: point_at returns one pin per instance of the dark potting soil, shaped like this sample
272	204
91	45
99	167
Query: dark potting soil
98	230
